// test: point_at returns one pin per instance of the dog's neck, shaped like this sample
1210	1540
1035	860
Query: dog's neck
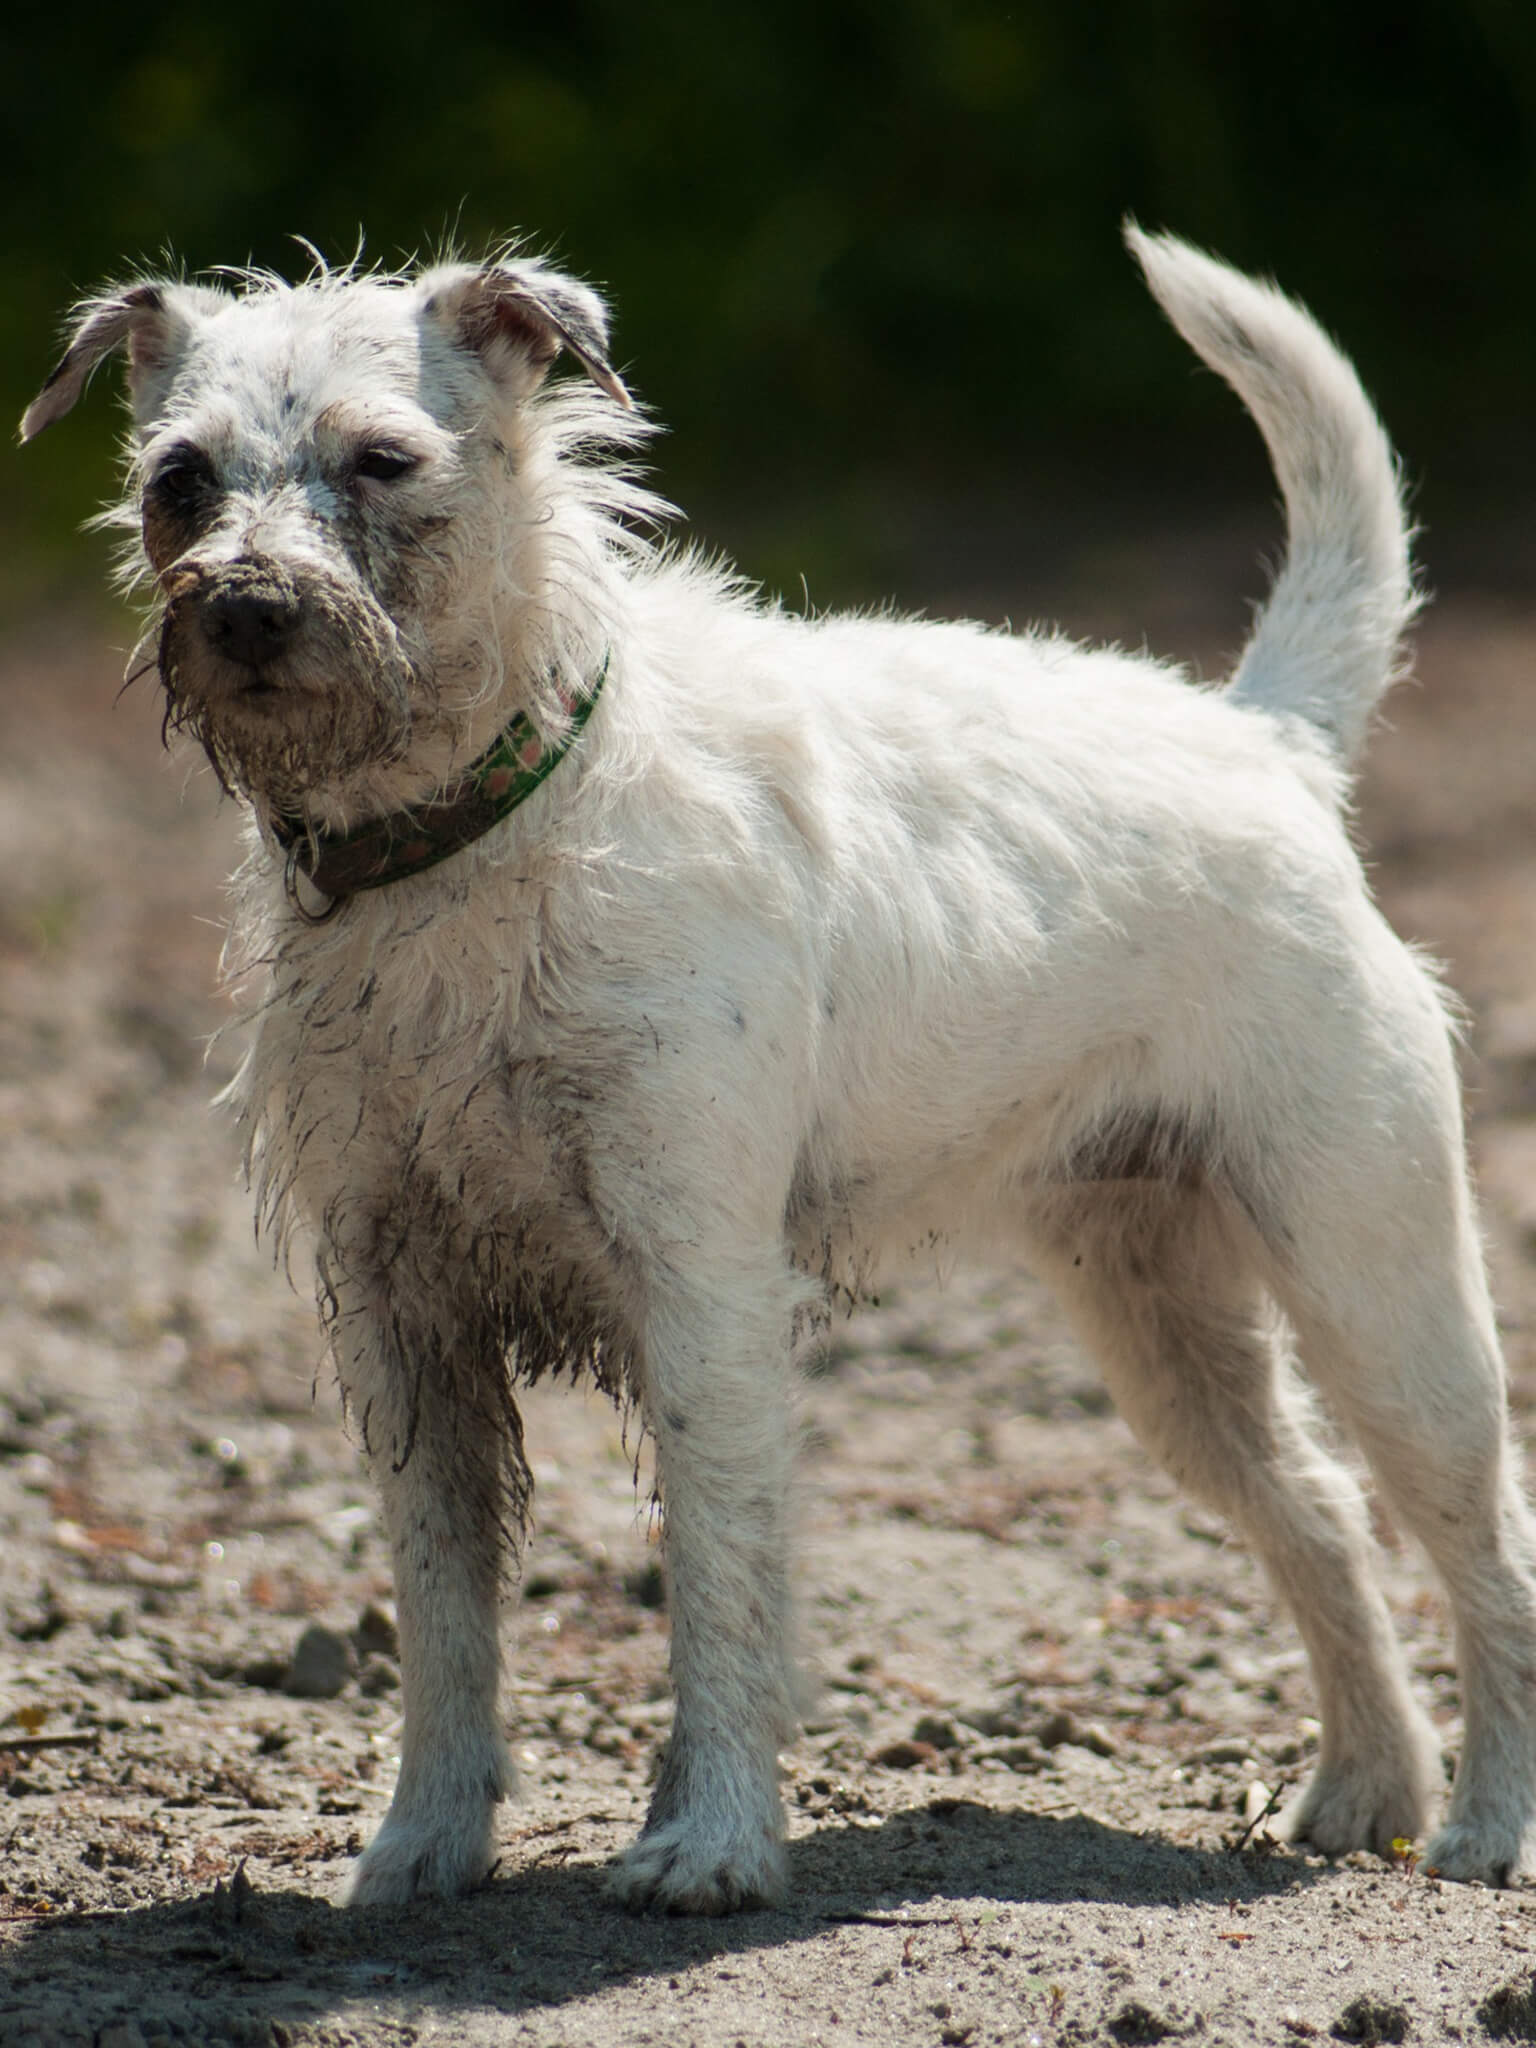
333	866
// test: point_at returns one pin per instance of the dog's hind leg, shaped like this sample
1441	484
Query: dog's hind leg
716	1379
1162	1281
1387	1291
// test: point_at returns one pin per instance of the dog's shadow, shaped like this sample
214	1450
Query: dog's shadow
944	1874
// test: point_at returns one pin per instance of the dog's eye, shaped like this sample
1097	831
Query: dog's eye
183	479
384	465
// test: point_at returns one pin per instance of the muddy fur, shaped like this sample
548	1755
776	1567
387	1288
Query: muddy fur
829	941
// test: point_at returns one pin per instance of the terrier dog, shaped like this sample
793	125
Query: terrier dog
634	962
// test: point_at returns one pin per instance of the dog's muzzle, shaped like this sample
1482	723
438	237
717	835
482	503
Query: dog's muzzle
247	616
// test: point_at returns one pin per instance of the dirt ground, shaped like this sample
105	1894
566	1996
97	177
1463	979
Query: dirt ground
1054	1697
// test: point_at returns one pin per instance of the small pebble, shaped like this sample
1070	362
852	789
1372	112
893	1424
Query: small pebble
992	1722
321	1666
377	1633
904	1756
269	1673
1064	1727
1021	1756
937	1732
1371	2021
378	1674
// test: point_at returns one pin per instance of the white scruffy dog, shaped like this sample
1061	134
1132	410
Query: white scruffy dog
634	962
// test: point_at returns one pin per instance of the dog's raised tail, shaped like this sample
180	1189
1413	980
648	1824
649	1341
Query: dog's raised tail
1326	645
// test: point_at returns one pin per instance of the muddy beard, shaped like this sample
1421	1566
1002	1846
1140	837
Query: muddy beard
291	741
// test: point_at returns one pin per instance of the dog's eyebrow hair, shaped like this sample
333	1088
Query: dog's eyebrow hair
185	447
347	416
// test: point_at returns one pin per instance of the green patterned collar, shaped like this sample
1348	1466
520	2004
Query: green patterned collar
339	864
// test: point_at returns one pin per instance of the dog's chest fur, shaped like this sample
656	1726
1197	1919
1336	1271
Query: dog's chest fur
403	1096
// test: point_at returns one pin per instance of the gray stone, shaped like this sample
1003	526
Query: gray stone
321	1666
376	1633
377	1675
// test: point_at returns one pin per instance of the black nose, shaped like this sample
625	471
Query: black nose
250	626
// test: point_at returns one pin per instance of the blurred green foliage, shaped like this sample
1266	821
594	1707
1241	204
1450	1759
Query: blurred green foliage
856	251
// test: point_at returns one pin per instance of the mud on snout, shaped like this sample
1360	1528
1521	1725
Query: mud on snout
289	680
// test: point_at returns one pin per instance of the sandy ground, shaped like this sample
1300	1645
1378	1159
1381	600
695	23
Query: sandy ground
1053	1695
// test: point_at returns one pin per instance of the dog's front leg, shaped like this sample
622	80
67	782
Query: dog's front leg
445	1449
717	1399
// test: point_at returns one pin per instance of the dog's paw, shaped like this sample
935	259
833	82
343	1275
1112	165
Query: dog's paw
1351	1806
681	1867
1475	1852
411	1859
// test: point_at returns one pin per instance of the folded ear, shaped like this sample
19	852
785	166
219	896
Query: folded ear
152	320
517	316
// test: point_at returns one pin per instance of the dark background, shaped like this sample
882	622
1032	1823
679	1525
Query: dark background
864	257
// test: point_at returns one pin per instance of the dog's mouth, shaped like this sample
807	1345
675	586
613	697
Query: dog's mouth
256	688
219	689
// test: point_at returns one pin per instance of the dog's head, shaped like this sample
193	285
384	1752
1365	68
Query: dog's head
351	499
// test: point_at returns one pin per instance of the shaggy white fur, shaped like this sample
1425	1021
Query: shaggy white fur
830	938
